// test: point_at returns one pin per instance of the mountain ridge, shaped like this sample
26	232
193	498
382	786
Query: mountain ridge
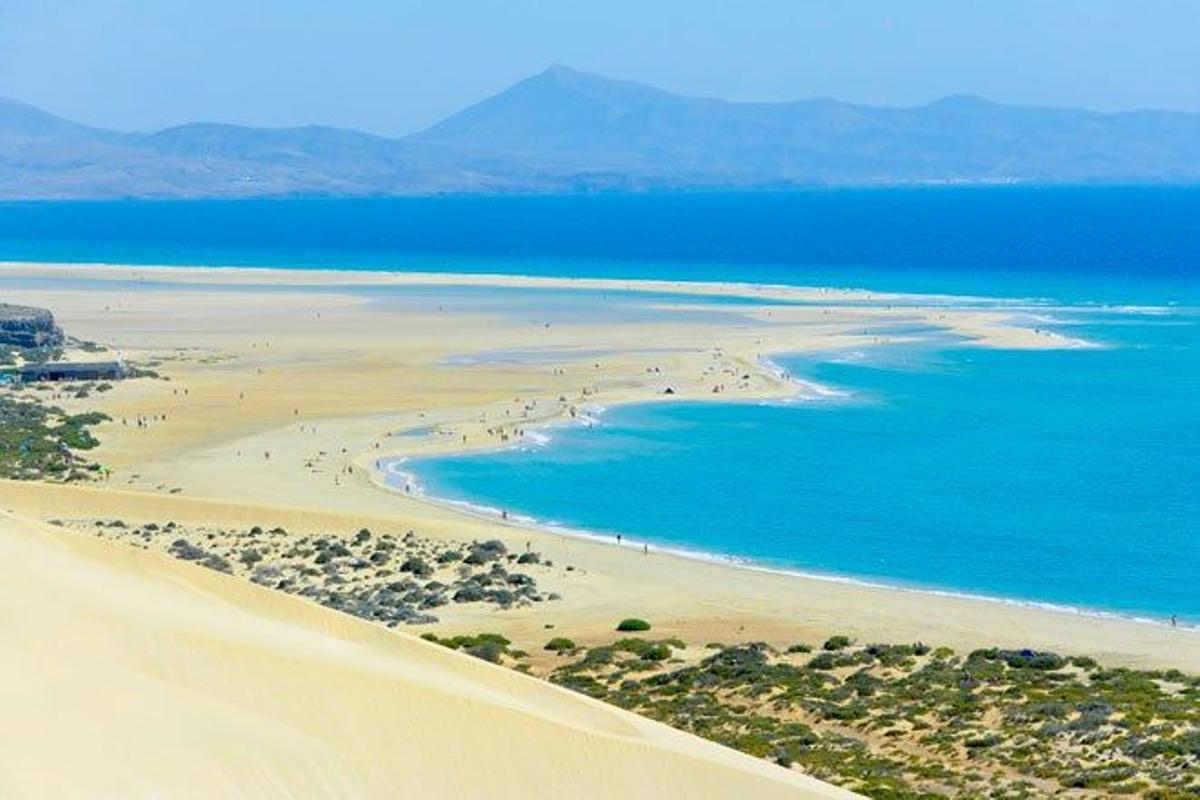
563	130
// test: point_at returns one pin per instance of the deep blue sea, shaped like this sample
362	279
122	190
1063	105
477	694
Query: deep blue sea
1094	244
1067	477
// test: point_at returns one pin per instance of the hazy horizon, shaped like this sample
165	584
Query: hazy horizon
550	68
395	68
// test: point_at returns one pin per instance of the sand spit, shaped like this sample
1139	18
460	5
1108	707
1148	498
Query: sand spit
281	389
131	673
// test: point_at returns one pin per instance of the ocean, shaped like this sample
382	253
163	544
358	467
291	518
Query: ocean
1064	477
1117	245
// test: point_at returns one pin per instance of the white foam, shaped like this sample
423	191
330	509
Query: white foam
492	512
536	438
804	389
741	562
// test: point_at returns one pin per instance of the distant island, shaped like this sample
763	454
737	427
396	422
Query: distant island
566	131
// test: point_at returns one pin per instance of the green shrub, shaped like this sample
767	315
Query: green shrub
836	643
487	651
633	624
417	566
559	644
1031	659
823	661
657	652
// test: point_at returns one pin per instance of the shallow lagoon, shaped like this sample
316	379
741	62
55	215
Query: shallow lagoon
1067	477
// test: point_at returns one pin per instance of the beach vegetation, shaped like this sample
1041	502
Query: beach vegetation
485	646
913	721
633	625
905	720
645	650
417	566
373	577
42	442
483	552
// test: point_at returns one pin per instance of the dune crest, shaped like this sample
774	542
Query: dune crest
128	674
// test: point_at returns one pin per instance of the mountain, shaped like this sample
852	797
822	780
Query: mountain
577	123
565	130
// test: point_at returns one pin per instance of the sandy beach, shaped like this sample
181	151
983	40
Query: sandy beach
277	393
280	409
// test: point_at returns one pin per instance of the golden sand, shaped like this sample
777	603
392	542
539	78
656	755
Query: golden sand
129	674
283	390
308	368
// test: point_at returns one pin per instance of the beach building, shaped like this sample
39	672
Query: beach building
71	371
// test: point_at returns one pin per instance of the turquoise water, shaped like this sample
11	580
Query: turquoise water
1067	477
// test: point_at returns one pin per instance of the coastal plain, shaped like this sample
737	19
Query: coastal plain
272	396
283	388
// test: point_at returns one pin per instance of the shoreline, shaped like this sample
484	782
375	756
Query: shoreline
349	276
493	514
206	450
804	391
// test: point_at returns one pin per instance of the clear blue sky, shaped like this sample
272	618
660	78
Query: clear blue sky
395	66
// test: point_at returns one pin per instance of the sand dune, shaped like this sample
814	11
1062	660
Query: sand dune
127	674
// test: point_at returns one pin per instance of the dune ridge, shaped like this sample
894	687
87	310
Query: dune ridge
160	679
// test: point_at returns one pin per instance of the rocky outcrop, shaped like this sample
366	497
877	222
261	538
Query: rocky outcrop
24	326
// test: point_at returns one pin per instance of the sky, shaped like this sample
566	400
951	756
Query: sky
397	66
